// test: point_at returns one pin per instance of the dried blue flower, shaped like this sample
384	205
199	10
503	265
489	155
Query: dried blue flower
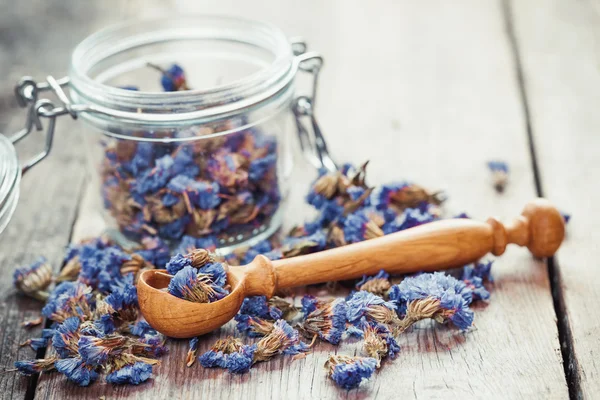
309	304
191	354
65	338
150	346
100	266
253	326
95	351
380	342
34	279
155	251
190	285
213	359
481	270
67	300
216	272
364	304
35	343
142	328
281	338
499	170
433	295
358	227
130	374
294	246
104	324
566	217
76	371
31	367
156	178
259	167
172	79
218	354
355	331
177	263
348	372
378	284
258	306
239	362
328	321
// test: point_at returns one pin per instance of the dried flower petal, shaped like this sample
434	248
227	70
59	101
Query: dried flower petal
133	374
348	372
33	279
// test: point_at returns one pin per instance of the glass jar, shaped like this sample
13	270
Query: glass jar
210	158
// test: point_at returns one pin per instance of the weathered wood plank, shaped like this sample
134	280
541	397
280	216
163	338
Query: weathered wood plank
558	42
427	91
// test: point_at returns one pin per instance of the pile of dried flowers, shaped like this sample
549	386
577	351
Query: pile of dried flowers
191	187
96	327
193	192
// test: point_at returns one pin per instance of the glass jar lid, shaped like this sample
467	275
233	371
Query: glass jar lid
234	65
10	176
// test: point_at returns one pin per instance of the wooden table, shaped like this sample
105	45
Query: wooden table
429	91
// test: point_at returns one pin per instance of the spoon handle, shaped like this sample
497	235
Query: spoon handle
433	246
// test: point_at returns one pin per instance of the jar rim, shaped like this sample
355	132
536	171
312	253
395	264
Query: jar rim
195	105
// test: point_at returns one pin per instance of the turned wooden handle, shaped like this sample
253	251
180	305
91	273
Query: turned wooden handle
437	245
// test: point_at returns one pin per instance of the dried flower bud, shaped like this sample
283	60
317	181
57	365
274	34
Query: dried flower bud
33	279
135	265
326	185
379	342
30	367
348	372
328	321
378	286
200	257
288	310
70	271
282	338
352	205
336	236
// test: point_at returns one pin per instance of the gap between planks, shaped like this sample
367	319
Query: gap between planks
565	334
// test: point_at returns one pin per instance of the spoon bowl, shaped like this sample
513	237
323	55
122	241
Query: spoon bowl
180	318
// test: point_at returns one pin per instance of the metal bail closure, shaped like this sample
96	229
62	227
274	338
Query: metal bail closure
26	92
314	147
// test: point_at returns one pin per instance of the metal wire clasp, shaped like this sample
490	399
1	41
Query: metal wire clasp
314	147
26	92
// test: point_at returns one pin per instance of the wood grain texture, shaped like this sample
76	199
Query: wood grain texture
559	42
427	91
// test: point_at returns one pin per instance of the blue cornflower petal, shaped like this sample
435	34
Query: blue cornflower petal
177	263
131	374
259	167
142	328
349	375
240	361
213	359
359	303
76	371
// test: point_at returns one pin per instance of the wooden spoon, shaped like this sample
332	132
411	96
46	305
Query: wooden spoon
438	245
